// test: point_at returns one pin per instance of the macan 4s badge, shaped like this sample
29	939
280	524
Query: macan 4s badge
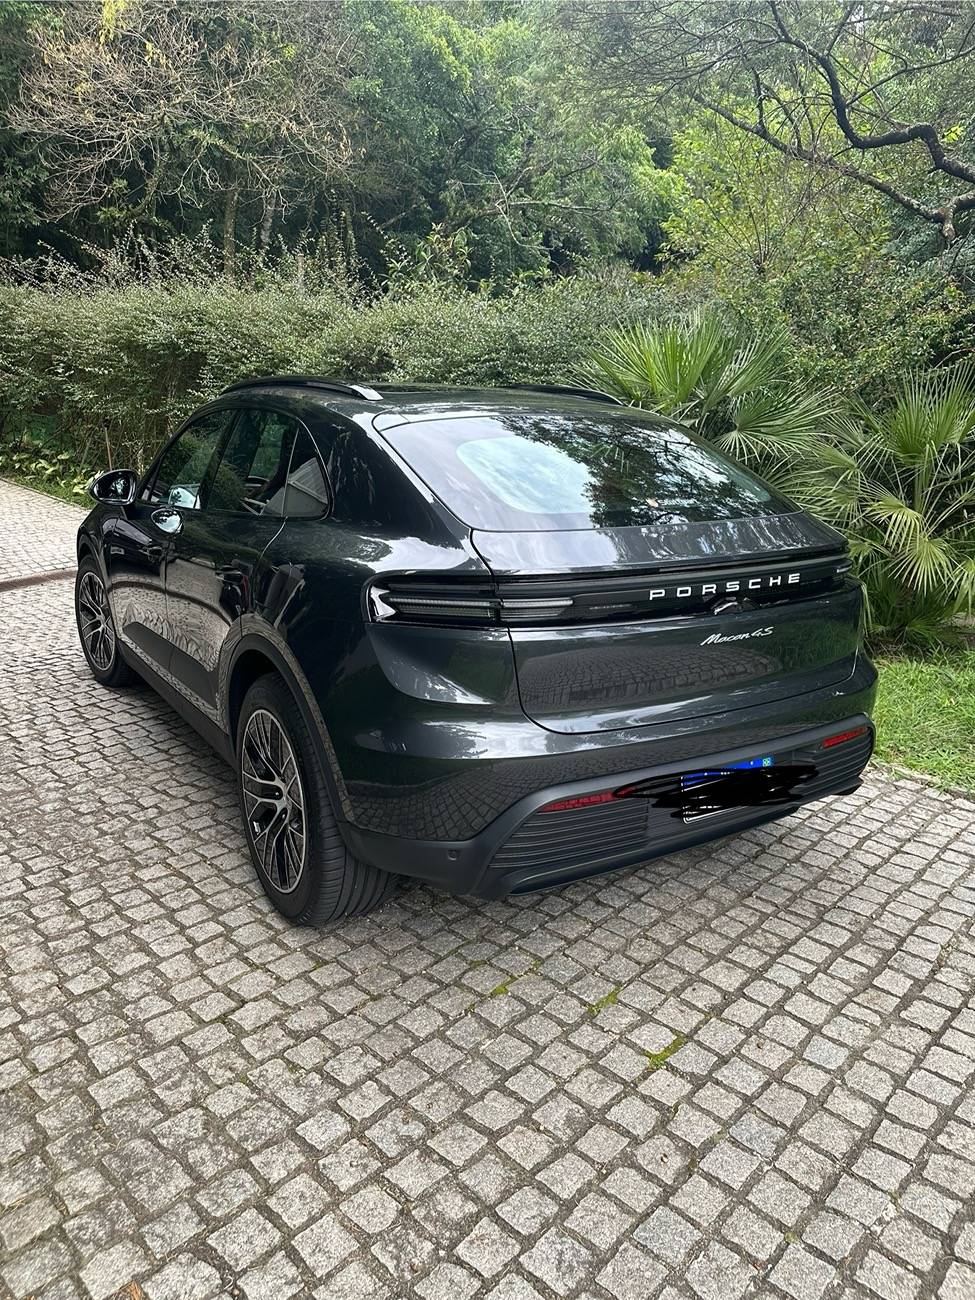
717	639
468	635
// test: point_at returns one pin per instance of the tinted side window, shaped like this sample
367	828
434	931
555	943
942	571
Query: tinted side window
307	495
253	471
181	479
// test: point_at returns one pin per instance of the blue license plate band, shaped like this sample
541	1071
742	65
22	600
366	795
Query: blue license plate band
690	779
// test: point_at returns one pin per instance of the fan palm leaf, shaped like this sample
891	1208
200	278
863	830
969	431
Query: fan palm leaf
899	481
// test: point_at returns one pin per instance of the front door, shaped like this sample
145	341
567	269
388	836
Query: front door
139	544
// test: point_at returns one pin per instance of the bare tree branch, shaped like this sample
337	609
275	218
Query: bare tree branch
811	79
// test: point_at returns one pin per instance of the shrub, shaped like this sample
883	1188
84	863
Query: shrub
900	482
717	378
105	371
30	462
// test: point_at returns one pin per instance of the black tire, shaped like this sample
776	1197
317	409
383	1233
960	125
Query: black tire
104	657
330	883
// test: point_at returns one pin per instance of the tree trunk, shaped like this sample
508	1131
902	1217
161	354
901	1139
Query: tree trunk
267	223
230	230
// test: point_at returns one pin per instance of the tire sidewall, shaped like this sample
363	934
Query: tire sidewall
107	676
273	696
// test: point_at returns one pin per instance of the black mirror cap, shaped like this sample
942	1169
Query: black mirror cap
116	487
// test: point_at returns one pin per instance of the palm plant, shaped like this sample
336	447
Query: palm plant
715	378
900	482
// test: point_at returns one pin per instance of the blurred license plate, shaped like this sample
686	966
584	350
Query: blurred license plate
694	780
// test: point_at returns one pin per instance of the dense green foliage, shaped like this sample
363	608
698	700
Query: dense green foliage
108	370
898	479
724	381
374	134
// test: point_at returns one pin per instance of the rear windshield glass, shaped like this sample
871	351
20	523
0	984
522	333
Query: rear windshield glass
528	471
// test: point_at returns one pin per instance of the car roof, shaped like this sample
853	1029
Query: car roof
352	398
385	405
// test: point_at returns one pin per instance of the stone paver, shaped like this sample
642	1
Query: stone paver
453	1098
37	532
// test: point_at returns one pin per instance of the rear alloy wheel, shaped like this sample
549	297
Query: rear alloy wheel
295	844
96	628
274	803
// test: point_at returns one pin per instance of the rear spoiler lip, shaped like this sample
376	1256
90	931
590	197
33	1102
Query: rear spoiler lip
719	545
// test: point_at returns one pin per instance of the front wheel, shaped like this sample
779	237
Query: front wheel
96	628
297	849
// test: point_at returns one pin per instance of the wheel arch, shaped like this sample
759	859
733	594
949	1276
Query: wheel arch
249	666
253	657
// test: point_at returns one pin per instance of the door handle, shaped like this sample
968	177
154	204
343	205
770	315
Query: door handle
167	521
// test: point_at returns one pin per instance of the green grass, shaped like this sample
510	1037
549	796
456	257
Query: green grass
926	716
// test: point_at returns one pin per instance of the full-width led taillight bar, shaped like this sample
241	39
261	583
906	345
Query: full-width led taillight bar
610	596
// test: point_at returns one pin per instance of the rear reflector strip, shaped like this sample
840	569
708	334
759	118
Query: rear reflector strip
842	737
642	787
581	801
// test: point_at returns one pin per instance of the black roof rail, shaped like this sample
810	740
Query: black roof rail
339	386
569	390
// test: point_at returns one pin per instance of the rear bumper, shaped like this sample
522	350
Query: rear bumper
524	849
427	771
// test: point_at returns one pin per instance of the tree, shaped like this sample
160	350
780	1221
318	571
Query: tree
21	172
471	154
374	136
162	101
878	93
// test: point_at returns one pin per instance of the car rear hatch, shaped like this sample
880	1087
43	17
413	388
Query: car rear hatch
643	577
638	643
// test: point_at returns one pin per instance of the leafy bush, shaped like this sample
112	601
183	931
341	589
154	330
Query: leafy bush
110	369
900	482
30	462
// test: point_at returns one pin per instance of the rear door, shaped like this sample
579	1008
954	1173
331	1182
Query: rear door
674	583
213	556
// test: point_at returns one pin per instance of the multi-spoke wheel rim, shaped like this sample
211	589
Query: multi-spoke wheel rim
95	622
274	803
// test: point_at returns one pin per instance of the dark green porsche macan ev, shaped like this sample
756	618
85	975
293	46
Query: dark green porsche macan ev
494	639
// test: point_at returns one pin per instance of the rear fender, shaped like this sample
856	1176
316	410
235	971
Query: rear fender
256	635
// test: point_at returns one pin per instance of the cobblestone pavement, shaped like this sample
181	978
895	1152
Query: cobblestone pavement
37	532
741	1071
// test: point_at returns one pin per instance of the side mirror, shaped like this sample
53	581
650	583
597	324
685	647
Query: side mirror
116	487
